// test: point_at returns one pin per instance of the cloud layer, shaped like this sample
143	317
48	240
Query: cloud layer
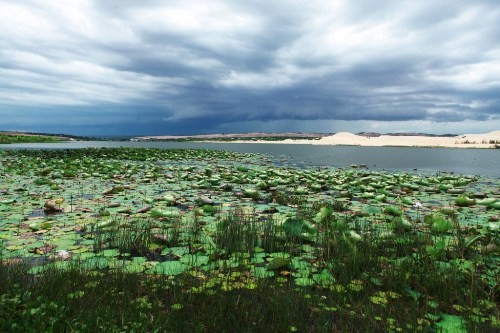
157	67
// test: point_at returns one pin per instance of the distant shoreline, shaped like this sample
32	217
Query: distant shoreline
488	140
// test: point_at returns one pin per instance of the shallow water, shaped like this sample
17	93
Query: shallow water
458	160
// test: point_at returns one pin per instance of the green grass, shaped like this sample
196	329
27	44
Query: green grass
367	291
76	300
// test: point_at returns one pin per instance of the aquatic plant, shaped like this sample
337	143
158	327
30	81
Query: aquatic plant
210	227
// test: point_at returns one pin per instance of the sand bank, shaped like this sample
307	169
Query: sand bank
488	140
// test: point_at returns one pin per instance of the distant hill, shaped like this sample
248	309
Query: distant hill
423	134
374	134
22	136
236	136
261	136
14	137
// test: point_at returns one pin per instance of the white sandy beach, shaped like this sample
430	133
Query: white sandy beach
487	140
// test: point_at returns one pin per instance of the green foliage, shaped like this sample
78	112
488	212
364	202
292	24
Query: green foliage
21	311
236	231
295	228
7	138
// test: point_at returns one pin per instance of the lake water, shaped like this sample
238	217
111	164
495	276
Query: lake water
463	161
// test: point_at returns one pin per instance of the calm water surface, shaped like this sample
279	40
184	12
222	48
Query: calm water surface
464	161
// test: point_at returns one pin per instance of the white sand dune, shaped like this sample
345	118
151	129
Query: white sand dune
487	140
494	133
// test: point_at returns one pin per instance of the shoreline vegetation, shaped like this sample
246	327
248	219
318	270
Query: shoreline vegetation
367	139
182	240
11	137
23	138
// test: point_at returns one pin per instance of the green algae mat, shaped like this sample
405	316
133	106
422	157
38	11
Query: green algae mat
233	219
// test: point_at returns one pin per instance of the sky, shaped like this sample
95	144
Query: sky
128	67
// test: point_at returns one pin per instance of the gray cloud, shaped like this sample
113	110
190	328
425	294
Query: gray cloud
96	67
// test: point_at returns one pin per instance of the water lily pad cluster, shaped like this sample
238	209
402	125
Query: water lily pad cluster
168	212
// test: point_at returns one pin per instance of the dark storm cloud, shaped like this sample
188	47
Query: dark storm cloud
195	66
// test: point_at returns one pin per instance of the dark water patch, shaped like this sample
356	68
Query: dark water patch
43	213
83	196
183	207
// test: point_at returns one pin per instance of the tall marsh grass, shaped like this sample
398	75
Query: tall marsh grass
343	276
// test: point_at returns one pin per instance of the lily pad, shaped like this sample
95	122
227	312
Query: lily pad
169	268
277	263
452	324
